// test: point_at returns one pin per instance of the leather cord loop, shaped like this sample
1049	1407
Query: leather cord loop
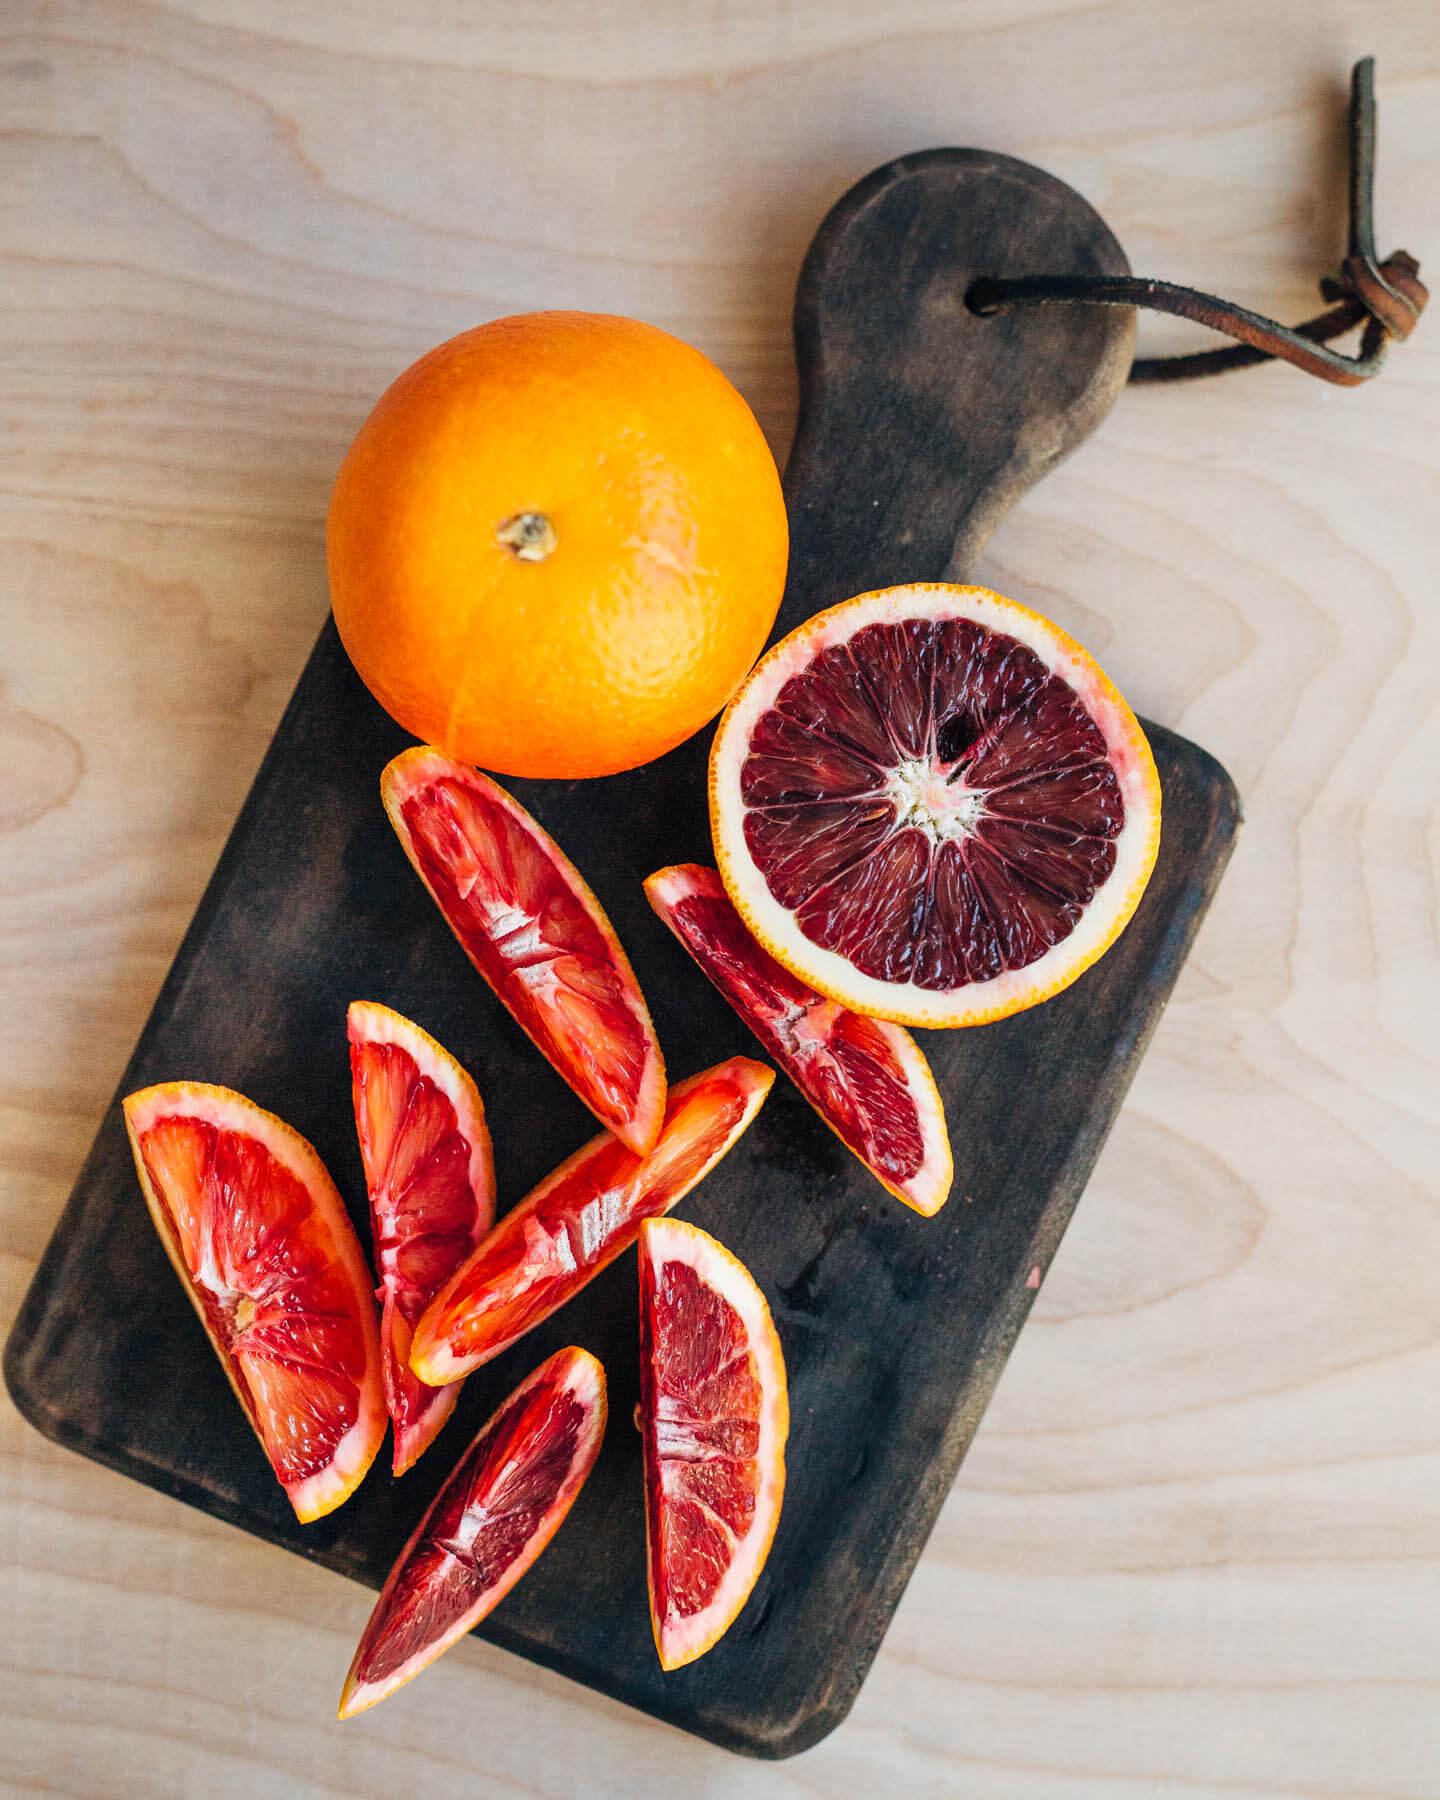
1386	297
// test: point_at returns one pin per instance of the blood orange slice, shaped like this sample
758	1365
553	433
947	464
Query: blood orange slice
932	806
867	1079
533	929
579	1219
502	1505
262	1242
431	1180
714	1414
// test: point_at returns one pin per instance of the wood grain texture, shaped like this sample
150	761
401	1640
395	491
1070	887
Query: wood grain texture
1194	1547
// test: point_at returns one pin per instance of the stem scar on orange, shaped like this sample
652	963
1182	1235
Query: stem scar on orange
557	544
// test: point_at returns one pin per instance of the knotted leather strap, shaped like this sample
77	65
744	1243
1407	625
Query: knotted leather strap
1386	297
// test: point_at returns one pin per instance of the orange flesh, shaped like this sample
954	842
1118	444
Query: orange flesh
576	1223
423	1210
279	1307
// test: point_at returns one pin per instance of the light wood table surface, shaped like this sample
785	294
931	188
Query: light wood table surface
1195	1550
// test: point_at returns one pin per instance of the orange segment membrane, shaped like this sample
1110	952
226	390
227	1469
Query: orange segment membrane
931	802
842	1062
482	1524
279	1308
701	1389
532	940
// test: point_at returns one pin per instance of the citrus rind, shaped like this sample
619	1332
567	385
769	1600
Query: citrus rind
557	543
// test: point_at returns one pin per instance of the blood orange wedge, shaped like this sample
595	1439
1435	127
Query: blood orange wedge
714	1414
504	1502
535	932
932	806
431	1181
579	1219
262	1242
867	1079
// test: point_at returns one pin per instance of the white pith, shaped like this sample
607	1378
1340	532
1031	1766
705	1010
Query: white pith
925	798
680	1641
585	1380
906	1002
226	1110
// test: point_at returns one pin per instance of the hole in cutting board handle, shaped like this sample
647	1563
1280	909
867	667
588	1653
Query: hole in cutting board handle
920	423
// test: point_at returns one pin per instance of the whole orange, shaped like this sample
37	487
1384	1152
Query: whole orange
557	544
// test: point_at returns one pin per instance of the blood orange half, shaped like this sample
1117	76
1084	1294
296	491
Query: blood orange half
930	804
867	1079
267	1253
533	929
579	1219
714	1414
431	1180
495	1514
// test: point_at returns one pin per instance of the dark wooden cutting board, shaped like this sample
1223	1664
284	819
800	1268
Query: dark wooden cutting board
919	424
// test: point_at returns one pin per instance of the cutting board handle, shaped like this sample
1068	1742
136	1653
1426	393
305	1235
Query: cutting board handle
921	422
